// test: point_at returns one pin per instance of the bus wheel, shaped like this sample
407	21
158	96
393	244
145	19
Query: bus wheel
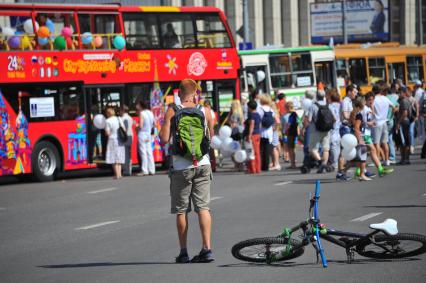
45	162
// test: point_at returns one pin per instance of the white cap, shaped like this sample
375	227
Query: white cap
418	83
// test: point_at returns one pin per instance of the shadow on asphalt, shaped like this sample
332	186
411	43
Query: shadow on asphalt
102	264
313	264
395	206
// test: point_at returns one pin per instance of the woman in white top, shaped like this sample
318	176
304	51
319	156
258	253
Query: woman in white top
115	150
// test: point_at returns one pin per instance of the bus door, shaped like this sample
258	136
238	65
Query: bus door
396	69
98	98
224	93
256	78
324	73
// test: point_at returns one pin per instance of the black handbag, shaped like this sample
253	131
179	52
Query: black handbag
121	133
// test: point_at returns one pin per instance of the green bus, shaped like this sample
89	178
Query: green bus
291	70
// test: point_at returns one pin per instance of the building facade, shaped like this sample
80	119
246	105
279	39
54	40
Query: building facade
288	22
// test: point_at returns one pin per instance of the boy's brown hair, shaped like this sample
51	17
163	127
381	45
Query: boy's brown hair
188	86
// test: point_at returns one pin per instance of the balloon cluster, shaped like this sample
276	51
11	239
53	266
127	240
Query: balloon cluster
227	145
45	34
349	143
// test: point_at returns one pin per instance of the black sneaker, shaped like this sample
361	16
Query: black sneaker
204	256
342	177
182	258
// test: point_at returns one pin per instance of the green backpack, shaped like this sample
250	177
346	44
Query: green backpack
190	138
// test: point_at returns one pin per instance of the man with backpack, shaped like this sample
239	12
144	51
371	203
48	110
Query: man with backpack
188	128
267	117
321	119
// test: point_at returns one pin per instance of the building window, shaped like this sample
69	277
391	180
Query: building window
280	71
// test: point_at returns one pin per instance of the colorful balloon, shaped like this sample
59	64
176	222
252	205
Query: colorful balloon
43	31
98	42
66	32
14	42
69	42
87	38
43	40
119	42
60	43
25	42
50	25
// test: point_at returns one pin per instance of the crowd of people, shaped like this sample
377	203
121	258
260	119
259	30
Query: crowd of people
383	120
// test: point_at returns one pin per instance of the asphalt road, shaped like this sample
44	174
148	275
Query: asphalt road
90	228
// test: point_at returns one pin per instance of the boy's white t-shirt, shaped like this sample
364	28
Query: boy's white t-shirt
381	108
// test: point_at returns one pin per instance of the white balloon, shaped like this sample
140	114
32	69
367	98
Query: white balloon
349	141
225	132
216	142
99	121
28	26
240	156
226	144
233	146
260	75
349	155
8	31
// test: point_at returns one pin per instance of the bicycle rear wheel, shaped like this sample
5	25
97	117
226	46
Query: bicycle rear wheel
397	246
270	249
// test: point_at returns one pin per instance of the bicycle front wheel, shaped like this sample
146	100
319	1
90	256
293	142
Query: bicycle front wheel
267	250
397	246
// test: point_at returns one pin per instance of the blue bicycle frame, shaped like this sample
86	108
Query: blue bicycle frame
316	219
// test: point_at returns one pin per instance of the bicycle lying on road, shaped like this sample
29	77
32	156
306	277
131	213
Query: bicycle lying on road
384	242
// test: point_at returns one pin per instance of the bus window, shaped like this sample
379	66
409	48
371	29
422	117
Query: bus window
71	103
342	74
415	68
141	32
211	32
396	71
57	24
280	71
302	69
102	28
177	31
377	69
358	71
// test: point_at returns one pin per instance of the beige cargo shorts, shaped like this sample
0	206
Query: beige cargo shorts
190	186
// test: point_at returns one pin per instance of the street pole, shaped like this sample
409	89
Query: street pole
345	33
246	23
420	22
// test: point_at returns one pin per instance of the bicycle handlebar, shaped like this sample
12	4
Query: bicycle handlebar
316	217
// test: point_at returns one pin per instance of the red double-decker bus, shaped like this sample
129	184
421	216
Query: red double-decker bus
62	65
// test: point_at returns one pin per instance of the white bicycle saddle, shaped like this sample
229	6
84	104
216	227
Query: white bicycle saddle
389	226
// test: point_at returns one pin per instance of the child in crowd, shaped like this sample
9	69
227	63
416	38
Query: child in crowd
291	131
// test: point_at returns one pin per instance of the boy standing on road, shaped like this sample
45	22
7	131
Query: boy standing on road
189	179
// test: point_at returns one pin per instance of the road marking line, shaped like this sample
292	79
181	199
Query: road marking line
424	195
283	183
215	198
365	217
102	191
97	225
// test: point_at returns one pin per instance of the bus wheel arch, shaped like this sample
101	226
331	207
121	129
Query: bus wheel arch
47	159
